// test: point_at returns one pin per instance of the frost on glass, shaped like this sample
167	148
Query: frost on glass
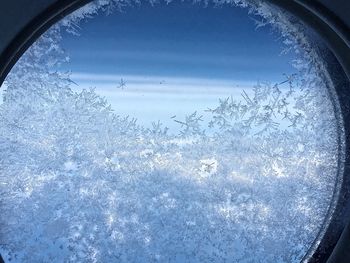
79	183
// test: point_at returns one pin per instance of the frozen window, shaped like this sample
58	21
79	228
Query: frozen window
167	132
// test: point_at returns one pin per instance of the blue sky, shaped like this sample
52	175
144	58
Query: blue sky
184	54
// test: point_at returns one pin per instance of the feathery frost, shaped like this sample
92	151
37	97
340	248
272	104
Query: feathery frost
79	183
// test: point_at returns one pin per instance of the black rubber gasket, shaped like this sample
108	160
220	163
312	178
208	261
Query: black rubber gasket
33	30
334	33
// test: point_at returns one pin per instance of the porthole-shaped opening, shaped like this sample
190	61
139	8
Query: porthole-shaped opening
169	132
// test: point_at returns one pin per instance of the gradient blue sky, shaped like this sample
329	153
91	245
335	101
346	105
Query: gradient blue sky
184	54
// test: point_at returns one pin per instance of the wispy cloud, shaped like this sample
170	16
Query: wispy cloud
161	84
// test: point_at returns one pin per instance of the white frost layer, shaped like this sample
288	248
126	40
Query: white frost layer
79	184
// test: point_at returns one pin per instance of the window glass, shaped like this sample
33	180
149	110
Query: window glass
167	132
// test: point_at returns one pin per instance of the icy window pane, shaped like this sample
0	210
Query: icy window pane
171	132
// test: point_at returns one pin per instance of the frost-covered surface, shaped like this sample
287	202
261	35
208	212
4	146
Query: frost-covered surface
78	183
